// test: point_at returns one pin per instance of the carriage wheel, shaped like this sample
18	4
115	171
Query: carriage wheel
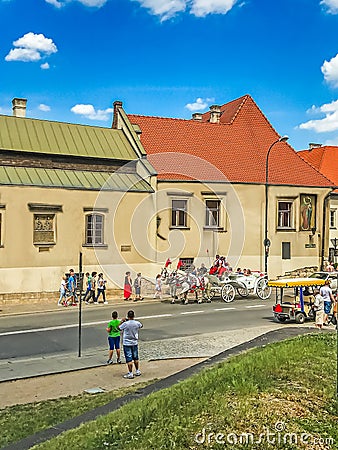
228	293
243	291
263	290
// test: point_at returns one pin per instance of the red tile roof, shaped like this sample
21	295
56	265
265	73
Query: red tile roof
235	148
324	159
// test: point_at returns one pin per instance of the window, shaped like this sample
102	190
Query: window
44	229
213	208
284	214
94	229
333	218
286	250
186	263
179	213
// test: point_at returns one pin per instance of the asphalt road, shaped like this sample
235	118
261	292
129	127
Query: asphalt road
53	333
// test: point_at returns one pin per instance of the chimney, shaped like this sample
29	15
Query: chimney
19	107
117	105
215	114
197	116
312	145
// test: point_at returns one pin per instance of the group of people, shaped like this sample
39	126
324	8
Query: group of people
95	288
220	266
129	327
324	301
129	285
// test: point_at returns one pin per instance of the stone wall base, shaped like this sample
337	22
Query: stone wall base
147	290
303	272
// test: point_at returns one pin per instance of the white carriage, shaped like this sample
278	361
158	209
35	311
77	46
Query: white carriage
244	285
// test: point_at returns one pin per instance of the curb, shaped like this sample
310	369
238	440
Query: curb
260	341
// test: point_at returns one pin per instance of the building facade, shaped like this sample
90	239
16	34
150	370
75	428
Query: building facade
67	190
214	180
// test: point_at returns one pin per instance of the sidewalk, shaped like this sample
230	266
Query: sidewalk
12	308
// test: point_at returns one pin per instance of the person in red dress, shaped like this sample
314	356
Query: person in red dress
127	286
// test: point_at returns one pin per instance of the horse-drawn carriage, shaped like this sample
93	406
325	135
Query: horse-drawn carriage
209	286
255	284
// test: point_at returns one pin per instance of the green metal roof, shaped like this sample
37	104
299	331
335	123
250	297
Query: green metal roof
60	138
72	179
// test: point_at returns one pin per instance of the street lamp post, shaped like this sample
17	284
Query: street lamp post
267	241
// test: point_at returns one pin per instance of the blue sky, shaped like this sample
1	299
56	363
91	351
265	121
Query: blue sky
72	58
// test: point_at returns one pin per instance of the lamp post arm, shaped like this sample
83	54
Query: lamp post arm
267	204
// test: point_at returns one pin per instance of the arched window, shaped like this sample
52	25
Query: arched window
94	229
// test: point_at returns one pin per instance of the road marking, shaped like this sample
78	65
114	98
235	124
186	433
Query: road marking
74	325
193	312
255	306
224	309
155	317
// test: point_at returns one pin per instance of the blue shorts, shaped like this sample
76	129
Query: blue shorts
327	307
138	291
114	342
130	352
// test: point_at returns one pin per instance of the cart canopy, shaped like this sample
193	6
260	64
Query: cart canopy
294	282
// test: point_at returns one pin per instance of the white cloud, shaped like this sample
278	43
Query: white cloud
31	47
326	124
330	71
201	8
45	66
332	5
199	104
90	3
43	107
91	113
164	8
55	3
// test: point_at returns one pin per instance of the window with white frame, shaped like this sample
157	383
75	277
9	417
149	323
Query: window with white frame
285	214
179	213
213	213
94	229
333	215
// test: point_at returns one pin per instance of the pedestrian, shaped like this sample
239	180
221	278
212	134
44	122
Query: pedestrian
137	287
202	270
326	293
63	290
101	289
88	287
319	309
114	335
130	328
158	287
92	298
127	286
72	288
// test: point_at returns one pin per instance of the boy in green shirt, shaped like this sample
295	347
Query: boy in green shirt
114	335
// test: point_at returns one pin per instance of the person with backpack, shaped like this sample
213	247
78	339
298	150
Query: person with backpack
91	298
71	286
101	289
89	286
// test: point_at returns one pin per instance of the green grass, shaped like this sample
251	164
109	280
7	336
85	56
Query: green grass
291	384
20	421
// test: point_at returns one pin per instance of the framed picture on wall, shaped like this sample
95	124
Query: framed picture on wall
308	212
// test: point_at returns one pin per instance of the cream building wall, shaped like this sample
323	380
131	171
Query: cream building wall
129	236
242	226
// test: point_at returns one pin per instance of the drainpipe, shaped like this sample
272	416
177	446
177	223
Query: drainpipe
326	199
